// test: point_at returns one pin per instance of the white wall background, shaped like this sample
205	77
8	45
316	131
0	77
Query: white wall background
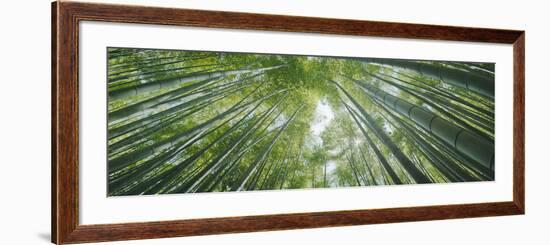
25	122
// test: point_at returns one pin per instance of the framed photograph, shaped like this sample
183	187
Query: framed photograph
175	122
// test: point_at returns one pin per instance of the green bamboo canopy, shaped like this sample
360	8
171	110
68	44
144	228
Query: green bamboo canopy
190	121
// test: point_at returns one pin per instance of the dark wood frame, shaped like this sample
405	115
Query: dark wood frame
65	136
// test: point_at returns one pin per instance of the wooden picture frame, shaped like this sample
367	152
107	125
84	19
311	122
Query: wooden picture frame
65	121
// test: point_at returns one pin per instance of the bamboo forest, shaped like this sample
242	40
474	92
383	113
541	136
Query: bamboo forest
198	121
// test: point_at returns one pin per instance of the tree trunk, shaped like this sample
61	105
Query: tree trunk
467	80
477	148
411	169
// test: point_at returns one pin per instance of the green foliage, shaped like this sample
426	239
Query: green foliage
189	121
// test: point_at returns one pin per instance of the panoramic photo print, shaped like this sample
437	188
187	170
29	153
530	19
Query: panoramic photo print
203	121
